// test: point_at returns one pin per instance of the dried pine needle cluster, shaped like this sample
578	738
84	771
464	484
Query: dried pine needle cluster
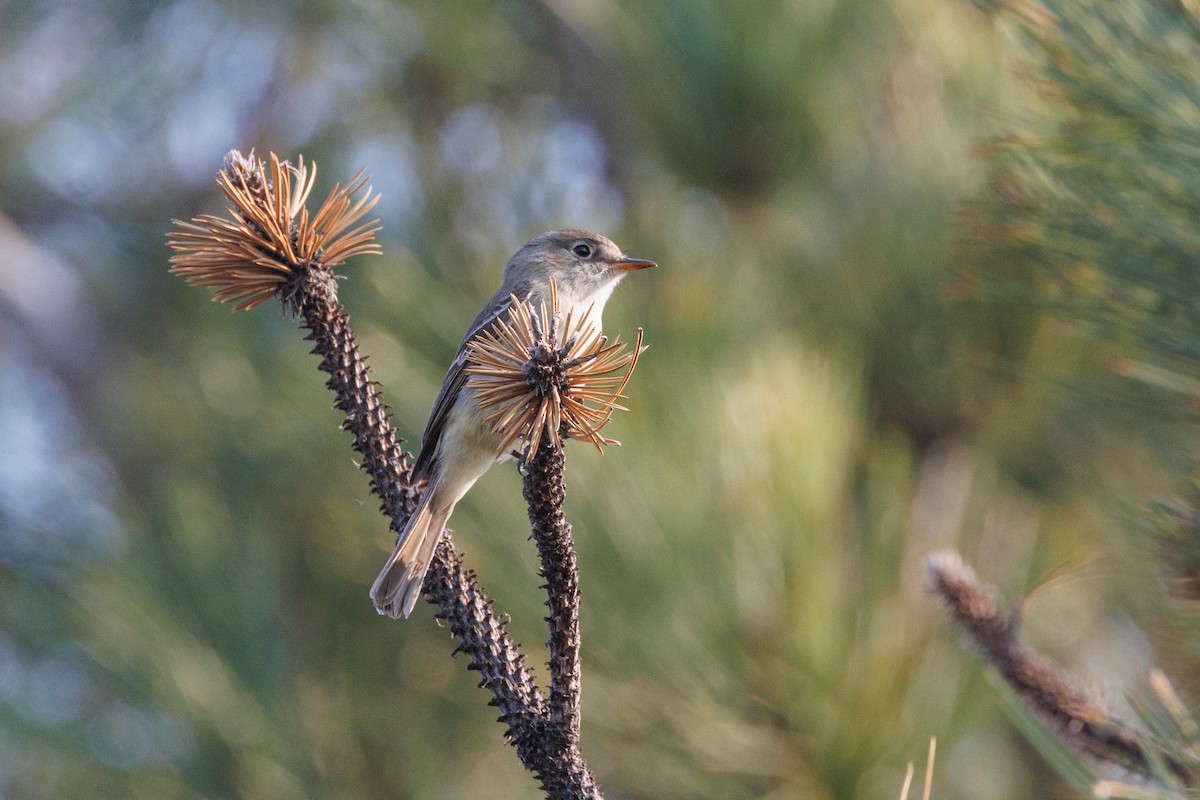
269	236
536	373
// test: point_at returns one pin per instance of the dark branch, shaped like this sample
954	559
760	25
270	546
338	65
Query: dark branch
256	256
312	295
544	492
546	736
465	607
1043	686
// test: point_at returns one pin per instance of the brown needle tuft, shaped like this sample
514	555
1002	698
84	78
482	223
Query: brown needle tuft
539	373
269	235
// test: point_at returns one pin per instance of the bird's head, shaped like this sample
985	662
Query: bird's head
586	266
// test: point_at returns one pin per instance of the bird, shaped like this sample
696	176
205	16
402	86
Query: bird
457	446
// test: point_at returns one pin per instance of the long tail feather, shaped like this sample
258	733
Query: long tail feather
398	586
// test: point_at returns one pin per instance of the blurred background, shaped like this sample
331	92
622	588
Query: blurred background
926	281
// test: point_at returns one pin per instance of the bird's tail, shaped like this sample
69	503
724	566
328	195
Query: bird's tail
399	584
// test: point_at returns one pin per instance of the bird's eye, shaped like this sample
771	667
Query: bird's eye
582	250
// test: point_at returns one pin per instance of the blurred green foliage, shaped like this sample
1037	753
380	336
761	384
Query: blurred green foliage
1091	213
1089	223
186	545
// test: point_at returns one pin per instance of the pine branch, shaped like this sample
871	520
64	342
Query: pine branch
544	492
461	602
541	380
1045	688
465	607
312	295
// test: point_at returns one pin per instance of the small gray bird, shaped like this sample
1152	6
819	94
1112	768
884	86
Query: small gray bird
457	446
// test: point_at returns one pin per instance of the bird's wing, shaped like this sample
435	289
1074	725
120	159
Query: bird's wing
456	378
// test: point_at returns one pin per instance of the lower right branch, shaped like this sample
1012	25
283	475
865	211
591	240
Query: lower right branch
1044	687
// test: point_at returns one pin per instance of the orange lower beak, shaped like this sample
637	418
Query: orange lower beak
631	264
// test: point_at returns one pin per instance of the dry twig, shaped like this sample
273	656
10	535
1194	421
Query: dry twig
269	246
1045	688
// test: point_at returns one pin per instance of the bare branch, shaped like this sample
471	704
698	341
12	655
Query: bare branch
270	246
1071	711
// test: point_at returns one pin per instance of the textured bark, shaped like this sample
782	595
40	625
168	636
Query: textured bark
1044	687
465	608
313	296
545	734
545	492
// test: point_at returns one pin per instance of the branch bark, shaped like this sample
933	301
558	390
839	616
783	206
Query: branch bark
545	734
266	248
545	492
1073	713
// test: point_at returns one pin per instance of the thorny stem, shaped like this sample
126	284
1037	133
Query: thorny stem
465	607
312	294
546	742
544	492
1076	716
272	248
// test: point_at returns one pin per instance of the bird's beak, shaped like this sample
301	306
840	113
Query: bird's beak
631	264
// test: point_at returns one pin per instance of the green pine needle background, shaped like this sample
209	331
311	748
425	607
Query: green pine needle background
928	279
